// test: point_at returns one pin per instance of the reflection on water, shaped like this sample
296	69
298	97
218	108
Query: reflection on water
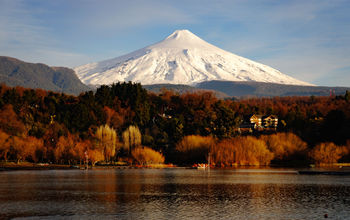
172	194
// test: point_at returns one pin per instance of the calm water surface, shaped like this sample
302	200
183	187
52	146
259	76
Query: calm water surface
172	194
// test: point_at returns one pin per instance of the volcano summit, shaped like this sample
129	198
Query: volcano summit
181	58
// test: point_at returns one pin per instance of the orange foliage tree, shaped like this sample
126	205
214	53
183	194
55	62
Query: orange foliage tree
95	156
194	148
4	145
65	149
326	153
18	149
145	155
24	148
241	151
9	121
34	146
113	119
285	145
80	148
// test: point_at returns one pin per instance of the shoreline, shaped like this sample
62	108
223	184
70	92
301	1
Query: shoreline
12	166
27	166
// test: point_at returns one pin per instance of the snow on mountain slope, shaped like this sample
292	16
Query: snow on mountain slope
181	58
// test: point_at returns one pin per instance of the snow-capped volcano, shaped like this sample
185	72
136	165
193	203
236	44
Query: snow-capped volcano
181	58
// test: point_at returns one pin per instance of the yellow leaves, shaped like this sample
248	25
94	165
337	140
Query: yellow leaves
284	145
146	156
194	148
65	148
131	137
95	156
106	136
327	153
241	151
107	141
227	152
192	142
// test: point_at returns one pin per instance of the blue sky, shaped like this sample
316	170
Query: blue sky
306	39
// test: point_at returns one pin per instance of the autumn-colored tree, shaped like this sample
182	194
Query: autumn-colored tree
347	157
285	145
194	148
253	151
223	154
4	145
241	151
113	119
327	153
145	155
18	149
51	137
107	141
64	151
131	138
9	121
60	149
95	156
81	148
33	146
165	118
40	154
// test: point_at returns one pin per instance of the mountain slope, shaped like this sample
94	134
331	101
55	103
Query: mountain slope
14	72
262	89
181	58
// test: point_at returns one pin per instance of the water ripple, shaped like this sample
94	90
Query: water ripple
172	194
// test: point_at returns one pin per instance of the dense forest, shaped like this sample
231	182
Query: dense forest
125	122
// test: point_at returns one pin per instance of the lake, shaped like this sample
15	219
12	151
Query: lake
172	194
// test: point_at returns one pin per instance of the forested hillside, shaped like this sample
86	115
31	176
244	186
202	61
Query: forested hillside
15	72
115	120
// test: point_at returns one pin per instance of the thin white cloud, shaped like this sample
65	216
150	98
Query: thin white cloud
23	36
311	66
17	25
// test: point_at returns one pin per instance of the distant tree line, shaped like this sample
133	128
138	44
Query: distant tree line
120	120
